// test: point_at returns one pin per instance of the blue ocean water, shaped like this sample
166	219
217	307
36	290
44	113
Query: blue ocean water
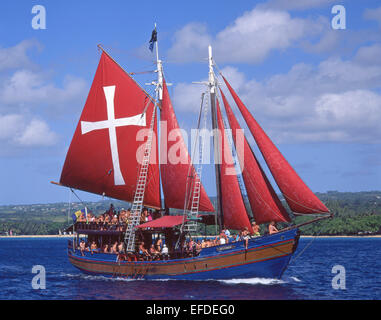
309	275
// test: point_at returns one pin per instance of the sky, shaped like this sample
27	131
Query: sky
313	88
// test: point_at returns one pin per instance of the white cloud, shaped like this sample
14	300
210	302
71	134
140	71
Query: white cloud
337	100
37	133
19	131
373	14
369	55
256	33
37	89
250	38
9	126
187	97
190	43
356	114
29	97
16	56
296	4
328	40
269	27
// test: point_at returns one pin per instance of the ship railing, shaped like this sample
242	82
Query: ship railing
100	226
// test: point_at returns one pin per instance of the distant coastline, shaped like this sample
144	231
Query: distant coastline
355	213
38	236
358	236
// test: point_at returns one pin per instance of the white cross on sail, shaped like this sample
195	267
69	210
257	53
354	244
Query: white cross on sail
111	123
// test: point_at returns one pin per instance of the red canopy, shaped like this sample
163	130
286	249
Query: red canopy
163	222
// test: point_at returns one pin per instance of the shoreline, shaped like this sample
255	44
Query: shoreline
38	236
370	236
71	236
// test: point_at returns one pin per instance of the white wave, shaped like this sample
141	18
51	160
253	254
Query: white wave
99	278
254	281
295	279
11	268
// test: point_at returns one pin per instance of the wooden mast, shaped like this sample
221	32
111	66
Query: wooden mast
212	90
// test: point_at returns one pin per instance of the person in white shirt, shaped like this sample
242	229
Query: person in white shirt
164	252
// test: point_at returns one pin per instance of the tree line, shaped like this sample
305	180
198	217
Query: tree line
357	213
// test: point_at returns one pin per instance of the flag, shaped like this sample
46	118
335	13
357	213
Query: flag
75	215
153	39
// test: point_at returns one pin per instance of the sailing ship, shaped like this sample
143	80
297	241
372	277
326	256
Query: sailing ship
114	152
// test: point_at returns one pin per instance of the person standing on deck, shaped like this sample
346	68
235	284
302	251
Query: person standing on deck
165	253
255	229
272	228
246	236
226	232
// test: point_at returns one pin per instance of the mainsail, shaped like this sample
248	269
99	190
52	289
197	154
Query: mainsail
298	196
175	160
263	200
233	207
105	154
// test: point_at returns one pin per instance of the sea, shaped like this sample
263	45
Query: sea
321	269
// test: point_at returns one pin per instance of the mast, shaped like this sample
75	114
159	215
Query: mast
212	84
159	64
137	205
159	92
158	87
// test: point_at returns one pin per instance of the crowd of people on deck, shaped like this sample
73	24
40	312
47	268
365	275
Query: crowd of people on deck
111	220
117	247
157	251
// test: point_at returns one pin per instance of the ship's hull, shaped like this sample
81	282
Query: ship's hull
266	257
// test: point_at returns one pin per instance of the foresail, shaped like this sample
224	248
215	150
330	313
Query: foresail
298	196
103	156
233	208
264	202
175	160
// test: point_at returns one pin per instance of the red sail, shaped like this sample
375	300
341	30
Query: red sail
233	207
298	196
102	156
175	160
263	200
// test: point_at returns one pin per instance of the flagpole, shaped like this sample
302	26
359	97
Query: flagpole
157	46
159	64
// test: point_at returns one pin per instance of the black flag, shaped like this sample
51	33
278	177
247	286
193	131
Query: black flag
153	39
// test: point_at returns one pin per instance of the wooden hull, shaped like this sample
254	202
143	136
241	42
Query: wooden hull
266	256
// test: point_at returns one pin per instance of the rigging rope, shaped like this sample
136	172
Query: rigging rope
141	72
78	198
188	193
284	194
68	213
255	189
306	247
